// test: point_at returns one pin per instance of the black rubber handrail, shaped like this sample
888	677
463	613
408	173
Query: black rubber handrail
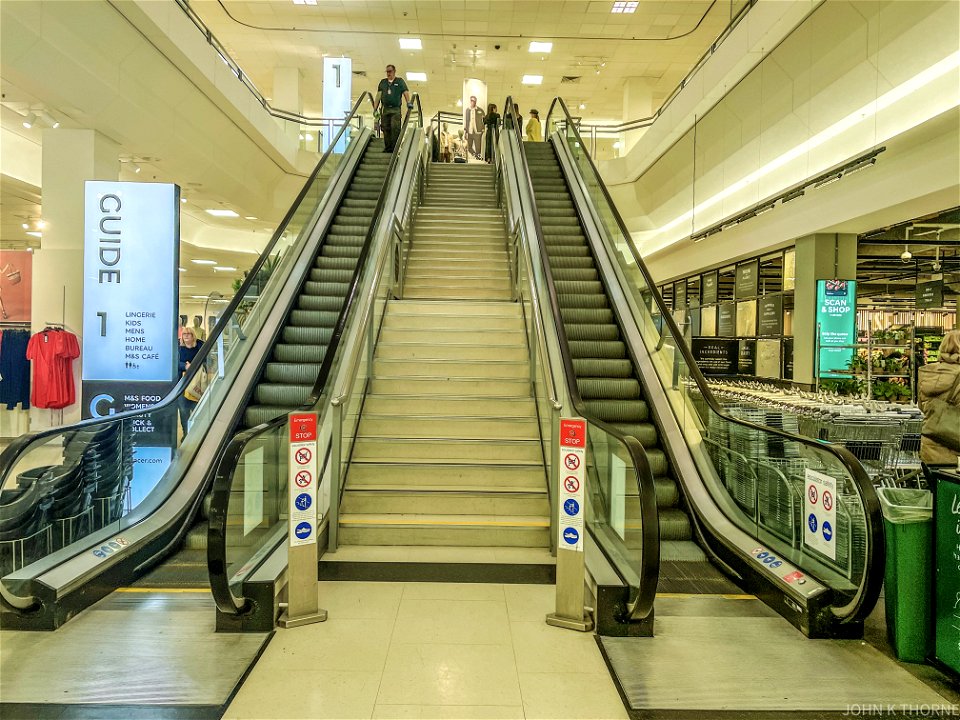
641	606
10	455
868	590
221	491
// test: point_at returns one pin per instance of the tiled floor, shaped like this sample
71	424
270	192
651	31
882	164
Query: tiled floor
425	650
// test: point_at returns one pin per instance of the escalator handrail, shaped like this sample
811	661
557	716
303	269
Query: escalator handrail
221	489
642	606
869	589
10	455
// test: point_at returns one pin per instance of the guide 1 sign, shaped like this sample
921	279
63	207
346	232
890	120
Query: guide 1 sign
573	456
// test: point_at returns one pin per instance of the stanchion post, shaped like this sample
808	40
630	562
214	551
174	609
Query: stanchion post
303	600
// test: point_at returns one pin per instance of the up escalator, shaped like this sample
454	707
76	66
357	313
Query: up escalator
606	377
729	492
290	373
123	499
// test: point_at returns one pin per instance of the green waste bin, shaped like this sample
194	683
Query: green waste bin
908	581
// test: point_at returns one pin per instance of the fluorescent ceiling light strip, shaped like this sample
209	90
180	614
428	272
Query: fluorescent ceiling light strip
411	44
204	262
417	77
532	79
540	47
905	89
221	213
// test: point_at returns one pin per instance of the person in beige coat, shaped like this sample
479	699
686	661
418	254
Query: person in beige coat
939	399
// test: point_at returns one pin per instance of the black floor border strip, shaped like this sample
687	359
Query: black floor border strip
889	711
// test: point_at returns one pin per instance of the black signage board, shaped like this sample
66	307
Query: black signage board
680	295
102	398
715	357
709	287
727	320
748	280
771	315
747	357
788	358
930	294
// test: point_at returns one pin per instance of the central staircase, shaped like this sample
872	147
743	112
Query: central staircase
447	467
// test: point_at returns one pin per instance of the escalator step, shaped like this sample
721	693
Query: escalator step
571	251
668	494
592	301
591	332
307	335
578	263
574	274
196	537
602	388
292	373
312	318
620	411
335	263
587	315
283	395
603	367
658	462
341	251
258	414
283	352
579	287
674	525
334	280
319	302
614	349
353	240
644	432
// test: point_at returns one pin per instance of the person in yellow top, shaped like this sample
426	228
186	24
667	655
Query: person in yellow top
532	130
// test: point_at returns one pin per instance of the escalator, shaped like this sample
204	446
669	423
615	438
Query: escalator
72	527
728	515
606	376
289	375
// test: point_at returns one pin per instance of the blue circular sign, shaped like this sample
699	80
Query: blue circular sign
303	501
769	559
570	536
776	564
106	549
812	522
571	507
303	530
114	545
827	531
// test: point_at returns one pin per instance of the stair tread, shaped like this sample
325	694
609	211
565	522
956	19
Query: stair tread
442	554
447	520
446	489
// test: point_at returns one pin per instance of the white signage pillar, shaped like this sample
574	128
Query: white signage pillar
337	100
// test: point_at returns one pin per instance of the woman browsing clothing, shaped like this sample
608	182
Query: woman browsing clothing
939	399
492	123
188	350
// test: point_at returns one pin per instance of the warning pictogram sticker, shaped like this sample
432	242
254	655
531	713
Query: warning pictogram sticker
303	478
827	500
303	456
812	492
571	461
571	484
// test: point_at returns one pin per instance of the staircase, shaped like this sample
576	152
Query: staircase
448	449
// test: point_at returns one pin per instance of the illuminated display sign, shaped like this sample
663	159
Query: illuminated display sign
837	325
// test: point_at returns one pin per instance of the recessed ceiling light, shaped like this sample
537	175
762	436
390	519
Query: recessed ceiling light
541	47
417	76
304	2
221	213
250	217
532	79
35	234
411	44
204	262
183	199
203	297
41	224
224	268
183	269
308	137
25	226
583	106
459	102
620	7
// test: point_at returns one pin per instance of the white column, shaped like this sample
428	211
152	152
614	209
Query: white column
70	157
286	95
637	103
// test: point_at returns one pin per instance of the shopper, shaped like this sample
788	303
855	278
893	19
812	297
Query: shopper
939	396
473	127
533	131
391	93
188	351
446	145
492	122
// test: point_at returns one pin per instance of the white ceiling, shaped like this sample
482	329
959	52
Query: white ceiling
660	41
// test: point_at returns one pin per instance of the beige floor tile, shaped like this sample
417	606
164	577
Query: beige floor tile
449	675
591	696
530	602
360	600
447	712
344	644
452	591
463	622
542	648
306	694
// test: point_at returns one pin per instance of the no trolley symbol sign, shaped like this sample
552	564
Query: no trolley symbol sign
303	456
571	461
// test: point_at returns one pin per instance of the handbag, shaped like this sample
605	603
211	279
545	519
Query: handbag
942	423
197	386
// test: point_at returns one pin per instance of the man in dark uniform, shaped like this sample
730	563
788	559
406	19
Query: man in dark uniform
391	92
